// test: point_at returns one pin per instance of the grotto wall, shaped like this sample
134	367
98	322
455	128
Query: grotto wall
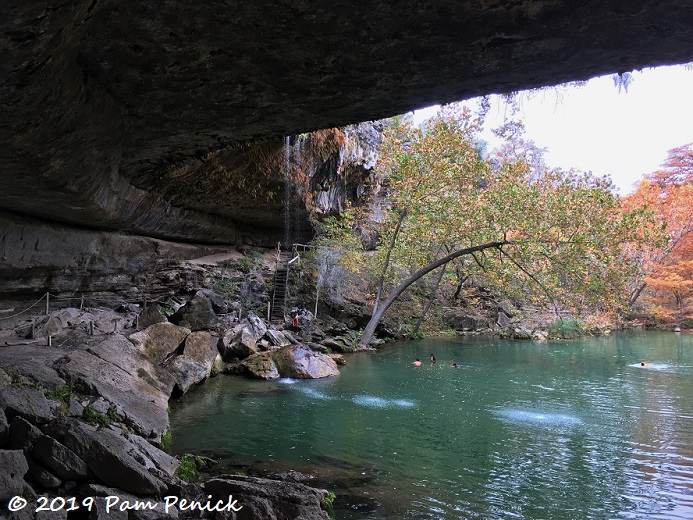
115	113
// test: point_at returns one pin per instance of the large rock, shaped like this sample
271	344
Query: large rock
150	316
150	456
13	467
159	341
219	305
48	327
58	458
277	338
195	363
201	347
264	498
186	373
23	434
256	326
111	457
197	314
298	361
238	344
42	476
130	389
258	366
243	340
28	403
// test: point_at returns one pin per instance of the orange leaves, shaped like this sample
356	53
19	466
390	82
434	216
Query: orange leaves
666	266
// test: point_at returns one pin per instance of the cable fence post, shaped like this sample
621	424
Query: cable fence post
48	296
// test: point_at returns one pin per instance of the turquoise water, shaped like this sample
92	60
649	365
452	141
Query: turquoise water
522	430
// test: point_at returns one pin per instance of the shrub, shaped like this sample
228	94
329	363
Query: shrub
566	329
327	503
188	467
102	420
167	441
62	394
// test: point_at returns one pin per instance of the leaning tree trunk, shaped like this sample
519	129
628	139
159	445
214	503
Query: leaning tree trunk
377	315
636	294
387	260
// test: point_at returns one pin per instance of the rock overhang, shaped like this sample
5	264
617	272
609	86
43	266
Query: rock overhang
106	104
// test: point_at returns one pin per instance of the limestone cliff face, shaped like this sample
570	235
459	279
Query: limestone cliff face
271	188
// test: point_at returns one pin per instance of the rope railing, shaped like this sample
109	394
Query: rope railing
48	297
25	310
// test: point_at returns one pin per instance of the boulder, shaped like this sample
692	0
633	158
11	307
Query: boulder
256	325
299	361
121	352
522	332
150	316
277	338
264	498
243	340
219	305
201	347
29	403
13	467
460	321
68	317
195	362
59	459
258	366
150	456
50	326
186	373
197	314
130	390
23	434
109	456
159	341
503	319
41	475
30	364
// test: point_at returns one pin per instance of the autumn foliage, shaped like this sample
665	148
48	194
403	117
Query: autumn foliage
665	278
506	221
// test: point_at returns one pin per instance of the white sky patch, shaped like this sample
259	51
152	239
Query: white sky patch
595	128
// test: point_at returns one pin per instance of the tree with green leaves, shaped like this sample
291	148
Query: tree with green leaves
541	234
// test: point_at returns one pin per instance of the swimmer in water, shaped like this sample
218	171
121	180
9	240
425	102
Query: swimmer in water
454	365
643	364
417	363
433	359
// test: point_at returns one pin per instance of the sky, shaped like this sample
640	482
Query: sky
597	128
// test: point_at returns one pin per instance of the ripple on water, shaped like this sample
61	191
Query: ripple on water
538	418
316	394
372	401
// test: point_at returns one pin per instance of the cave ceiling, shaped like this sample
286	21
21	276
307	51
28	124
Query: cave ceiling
102	99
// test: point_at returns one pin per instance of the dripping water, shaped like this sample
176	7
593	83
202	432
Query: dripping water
287	193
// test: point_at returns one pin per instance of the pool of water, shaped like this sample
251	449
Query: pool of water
524	430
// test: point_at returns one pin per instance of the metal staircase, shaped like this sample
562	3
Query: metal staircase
279	308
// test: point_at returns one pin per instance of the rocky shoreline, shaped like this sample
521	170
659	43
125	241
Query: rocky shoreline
83	411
